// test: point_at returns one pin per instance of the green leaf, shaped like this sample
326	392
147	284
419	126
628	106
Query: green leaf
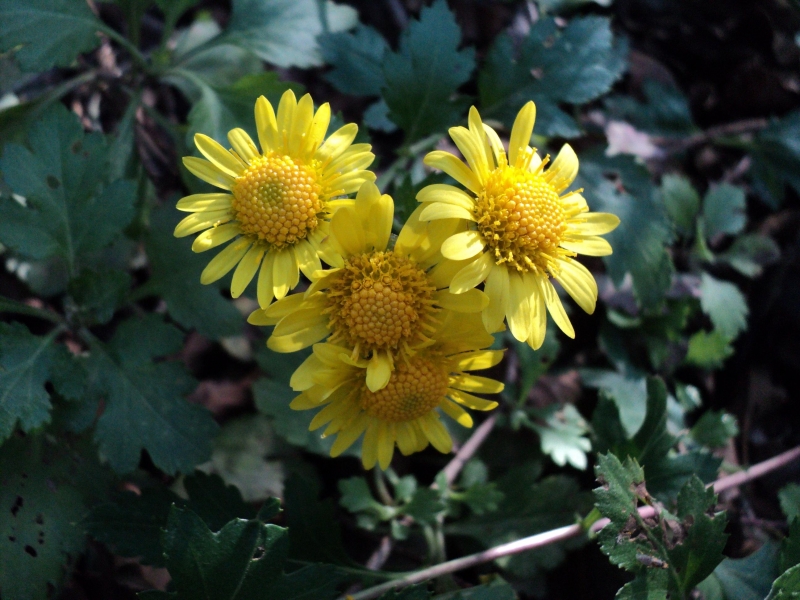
648	585
563	438
790	546
284	32
132	524
41	504
97	294
425	507
356	59
787	586
144	405
65	213
51	33
573	65
175	278
750	253
747	578
724	210
221	109
244	560
427	70
628	392
681	201
664	112
708	350
357	497
496	590
25	367
776	158
790	501
641	239
724	304
714	429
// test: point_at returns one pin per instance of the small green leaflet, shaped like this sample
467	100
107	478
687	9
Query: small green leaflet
681	201
708	350
244	560
776	158
748	578
356	59
51	32
284	32
145	409
723	210
69	211
572	65
724	304
424	74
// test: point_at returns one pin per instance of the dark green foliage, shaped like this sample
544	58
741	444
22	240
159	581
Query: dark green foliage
422	76
747	578
573	65
777	156
665	110
145	409
356	59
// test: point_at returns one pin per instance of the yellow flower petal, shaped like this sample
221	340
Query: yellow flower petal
246	269
379	371
303	318
298	340
498	150
578	282
498	289
307	258
440	210
477	130
441	192
369	447
385	445
205	202
474	383
259	318
455	412
478	360
435	432
406	440
346	228
347	436
201	220
470	301
302	117
473	274
347	183
243	144
444	161
538	321
336	143
264	291
208	172
471	148
267	125
286	108
591	245
284	306
218	155
225	261
463	245
351	161
521	133
317	130
303	377
470	401
285	274
593	223
554	306
563	170
518	308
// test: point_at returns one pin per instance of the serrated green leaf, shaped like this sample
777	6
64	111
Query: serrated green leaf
787	586
573	65
356	495
145	409
98	293
424	74
714	429
284	32
725	305
789	497
42	502
51	33
641	239
60	176
377	117
25	368
747	578
723	210
648	585
665	111
628	392
425	507
749	254
175	278
563	437
681	201
356	59
708	350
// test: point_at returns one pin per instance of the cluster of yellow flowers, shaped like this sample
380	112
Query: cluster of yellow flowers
396	327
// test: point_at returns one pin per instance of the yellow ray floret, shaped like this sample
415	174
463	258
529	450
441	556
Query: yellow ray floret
378	302
278	201
406	412
523	228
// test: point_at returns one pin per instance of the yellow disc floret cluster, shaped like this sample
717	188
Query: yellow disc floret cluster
521	218
277	199
416	388
378	301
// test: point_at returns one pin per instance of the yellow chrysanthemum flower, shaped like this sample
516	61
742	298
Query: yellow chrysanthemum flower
377	301
404	412
281	199
523	229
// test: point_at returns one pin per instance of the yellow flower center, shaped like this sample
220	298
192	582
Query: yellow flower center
416	387
521	218
378	301
277	199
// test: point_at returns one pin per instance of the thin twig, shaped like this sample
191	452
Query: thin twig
720	131
562	533
468	450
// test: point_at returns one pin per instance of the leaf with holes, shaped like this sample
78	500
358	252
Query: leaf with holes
70	211
145	409
50	33
424	74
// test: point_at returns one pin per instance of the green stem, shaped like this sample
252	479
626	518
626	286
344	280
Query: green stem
12	306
